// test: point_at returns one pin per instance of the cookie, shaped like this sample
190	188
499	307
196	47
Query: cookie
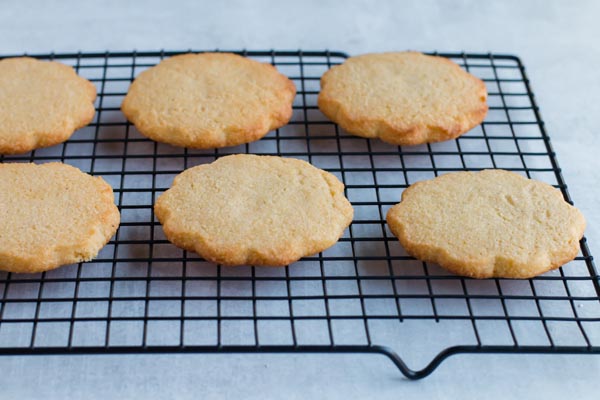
492	223
254	210
404	98
41	104
52	214
209	100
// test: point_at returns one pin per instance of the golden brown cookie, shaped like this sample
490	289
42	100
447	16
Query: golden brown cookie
209	100
52	214
41	104
404	98
257	210
492	223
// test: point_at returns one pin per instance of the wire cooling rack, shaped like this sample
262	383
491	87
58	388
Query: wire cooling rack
363	295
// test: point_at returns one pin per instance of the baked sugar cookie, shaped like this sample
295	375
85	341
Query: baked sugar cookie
404	98
209	100
52	214
492	223
256	210
41	104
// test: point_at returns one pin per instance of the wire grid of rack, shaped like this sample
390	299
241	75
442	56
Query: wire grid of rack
363	295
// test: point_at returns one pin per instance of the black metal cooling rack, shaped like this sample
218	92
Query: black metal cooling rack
364	295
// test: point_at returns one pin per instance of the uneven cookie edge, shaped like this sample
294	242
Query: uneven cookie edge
232	256
84	250
47	138
485	267
230	136
401	134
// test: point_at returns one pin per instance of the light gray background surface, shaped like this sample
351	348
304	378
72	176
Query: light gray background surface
557	41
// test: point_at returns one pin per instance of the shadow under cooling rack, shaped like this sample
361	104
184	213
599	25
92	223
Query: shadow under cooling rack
364	294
